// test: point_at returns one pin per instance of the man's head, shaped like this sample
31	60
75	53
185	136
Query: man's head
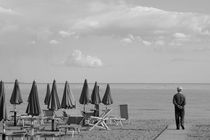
179	89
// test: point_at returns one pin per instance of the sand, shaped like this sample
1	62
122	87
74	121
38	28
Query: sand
200	130
131	130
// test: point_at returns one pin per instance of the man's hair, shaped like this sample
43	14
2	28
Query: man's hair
179	89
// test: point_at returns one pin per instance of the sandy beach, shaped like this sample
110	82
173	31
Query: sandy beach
131	130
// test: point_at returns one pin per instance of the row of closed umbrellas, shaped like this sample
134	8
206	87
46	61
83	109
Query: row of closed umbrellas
51	98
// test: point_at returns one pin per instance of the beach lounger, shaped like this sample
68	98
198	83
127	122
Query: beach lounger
99	122
14	134
123	115
48	134
47	114
72	125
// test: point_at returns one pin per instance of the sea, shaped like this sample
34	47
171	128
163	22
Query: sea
144	100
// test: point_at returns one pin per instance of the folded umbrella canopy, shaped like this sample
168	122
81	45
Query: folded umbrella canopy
33	107
95	99
16	99
84	97
54	103
47	96
68	100
107	99
3	110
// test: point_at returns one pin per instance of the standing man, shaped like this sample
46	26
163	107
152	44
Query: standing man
179	103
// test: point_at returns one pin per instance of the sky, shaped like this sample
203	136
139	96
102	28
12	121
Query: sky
109	41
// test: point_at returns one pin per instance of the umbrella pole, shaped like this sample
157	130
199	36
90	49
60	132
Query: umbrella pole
53	121
4	131
15	116
32	129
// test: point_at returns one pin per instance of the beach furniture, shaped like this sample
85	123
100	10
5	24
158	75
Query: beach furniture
73	119
123	115
53	103
47	96
14	134
47	114
84	97
16	99
48	134
96	99
68	100
124	111
99	122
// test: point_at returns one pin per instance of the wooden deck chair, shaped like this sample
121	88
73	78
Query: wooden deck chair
72	125
100	121
124	111
14	134
47	114
123	115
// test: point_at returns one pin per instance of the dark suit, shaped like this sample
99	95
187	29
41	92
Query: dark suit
179	103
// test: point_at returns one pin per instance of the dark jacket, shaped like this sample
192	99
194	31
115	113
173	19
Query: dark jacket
179	101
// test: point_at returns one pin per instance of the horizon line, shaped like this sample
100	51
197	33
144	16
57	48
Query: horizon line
9	82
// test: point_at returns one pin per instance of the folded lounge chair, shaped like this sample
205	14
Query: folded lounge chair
100	122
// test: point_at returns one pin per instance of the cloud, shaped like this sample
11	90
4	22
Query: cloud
180	35
127	40
160	43
53	42
146	43
80	60
9	28
65	34
7	11
147	22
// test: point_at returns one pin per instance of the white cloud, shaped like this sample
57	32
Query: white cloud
160	43
180	35
146	43
65	34
53	42
127	40
79	59
147	22
7	11
9	28
175	43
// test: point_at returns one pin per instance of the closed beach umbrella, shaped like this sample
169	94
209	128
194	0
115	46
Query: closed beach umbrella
16	99
68	100
84	97
54	103
33	107
47	96
107	99
95	97
3	110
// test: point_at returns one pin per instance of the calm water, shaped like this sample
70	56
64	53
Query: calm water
145	101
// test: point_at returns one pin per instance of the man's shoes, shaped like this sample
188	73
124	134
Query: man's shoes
177	128
182	127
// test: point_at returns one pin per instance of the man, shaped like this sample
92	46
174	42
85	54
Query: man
179	103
